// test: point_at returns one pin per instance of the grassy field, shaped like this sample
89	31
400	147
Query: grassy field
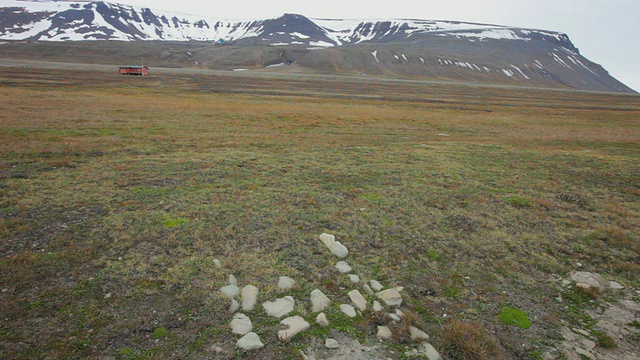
116	194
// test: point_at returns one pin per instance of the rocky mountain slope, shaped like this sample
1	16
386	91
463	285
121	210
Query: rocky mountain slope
444	50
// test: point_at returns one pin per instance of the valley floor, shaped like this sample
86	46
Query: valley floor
118	193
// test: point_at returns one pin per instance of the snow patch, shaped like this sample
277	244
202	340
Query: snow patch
375	56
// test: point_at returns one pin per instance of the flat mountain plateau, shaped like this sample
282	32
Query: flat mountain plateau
127	202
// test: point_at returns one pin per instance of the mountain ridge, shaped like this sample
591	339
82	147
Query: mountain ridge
395	47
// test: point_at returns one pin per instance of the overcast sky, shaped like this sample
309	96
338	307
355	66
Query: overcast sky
606	31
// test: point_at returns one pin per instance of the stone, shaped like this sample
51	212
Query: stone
321	320
230	290
285	282
384	333
591	279
331	344
367	290
585	353
391	297
375	285
234	306
241	324
327	239
233	280
377	306
615	286
394	317
358	300
279	307
417	334
343	267
249	297
296	325
354	278
251	341
217	263
348	310
430	352
319	301
399	313
338	250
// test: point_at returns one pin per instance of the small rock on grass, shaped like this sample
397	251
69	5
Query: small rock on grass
354	278
241	324
321	320
384	333
417	334
375	285
251	341
319	301
338	250
285	282
279	307
296	325
234	306
249	297
391	297
358	300
233	280
331	344
377	306
348	310
230	290
327	239
343	267
217	263
367	290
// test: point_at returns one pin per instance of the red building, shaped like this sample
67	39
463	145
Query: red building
134	70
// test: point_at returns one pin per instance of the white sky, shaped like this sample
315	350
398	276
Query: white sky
606	31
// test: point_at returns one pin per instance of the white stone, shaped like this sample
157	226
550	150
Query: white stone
348	310
331	344
296	325
343	267
280	307
391	297
241	324
217	263
585	353
338	250
230	290
394	317
384	333
321	320
615	286
319	301
327	239
233	280
399	313
354	278
249	342
249	297
235	306
430	352
591	279
285	282
367	290
375	285
358	300
417	334
377	306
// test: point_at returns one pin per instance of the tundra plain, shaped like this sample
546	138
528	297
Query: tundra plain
117	193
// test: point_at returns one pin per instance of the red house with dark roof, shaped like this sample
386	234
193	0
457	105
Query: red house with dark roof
134	70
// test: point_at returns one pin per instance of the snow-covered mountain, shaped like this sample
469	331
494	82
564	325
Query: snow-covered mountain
415	48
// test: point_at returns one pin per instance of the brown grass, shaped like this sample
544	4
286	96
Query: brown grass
131	187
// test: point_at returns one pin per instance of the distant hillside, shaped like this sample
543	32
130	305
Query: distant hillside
445	50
